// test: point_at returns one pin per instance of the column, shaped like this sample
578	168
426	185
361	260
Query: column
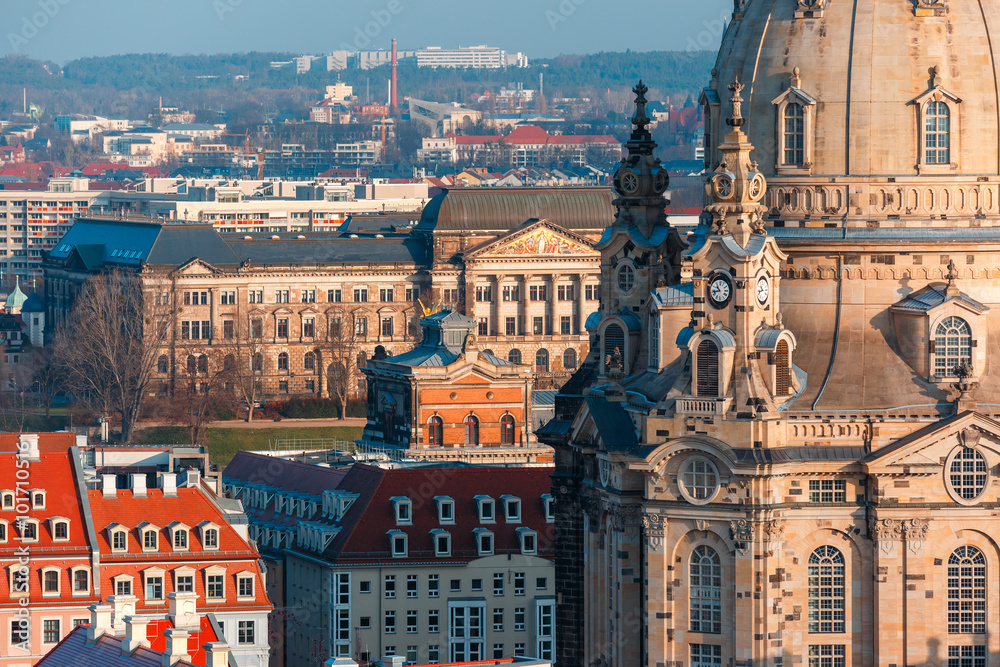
551	308
496	306
888	593
522	305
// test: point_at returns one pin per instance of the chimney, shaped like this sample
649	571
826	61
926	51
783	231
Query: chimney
217	654
100	621
177	646
27	447
121	606
183	609
193	477
109	487
393	95
135	634
81	441
169	481
393	660
138	485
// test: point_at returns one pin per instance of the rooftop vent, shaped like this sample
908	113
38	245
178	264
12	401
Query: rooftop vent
275	237
248	238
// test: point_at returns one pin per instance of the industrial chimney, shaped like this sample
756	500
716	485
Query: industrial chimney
392	102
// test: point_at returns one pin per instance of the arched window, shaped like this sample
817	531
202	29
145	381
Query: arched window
793	134
283	361
162	364
362	358
258	362
614	339
542	361
966	591
952	346
309	361
626	278
782	369
435	431
229	363
471	430
507	430
192	364
708	368
569	359
514	356
937	133
826	590
202	363
706	590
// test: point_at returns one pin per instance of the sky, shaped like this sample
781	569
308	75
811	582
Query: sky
63	30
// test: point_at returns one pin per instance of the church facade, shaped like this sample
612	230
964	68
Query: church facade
783	446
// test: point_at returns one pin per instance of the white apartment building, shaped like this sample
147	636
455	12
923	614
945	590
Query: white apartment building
476	57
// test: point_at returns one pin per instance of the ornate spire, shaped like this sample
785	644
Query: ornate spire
640	120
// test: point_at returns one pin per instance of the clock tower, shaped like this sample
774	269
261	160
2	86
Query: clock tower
640	252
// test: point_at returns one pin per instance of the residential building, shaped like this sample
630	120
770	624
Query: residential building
438	150
794	437
449	398
474	57
148	552
433	564
531	146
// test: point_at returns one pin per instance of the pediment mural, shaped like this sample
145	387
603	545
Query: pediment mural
931	446
540	240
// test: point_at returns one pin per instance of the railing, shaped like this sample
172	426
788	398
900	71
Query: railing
305	444
701	406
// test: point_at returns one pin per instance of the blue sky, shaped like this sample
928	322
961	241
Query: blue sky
62	30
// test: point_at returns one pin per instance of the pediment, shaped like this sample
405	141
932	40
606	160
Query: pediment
471	378
195	267
794	94
542	238
930	446
938	94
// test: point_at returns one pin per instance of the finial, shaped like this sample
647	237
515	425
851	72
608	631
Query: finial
736	120
952	274
796	78
640	120
935	76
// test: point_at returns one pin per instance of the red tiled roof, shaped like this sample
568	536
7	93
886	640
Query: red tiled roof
189	506
196	640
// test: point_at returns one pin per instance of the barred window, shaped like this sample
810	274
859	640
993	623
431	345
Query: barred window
967	591
827	490
794	134
826	655
952	346
968	474
706	590
826	590
937	133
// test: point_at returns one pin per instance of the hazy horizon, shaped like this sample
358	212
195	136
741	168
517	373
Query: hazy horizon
64	30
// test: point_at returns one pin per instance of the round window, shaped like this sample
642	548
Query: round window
699	481
967	475
626	278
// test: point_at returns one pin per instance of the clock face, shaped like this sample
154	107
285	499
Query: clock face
763	290
719	291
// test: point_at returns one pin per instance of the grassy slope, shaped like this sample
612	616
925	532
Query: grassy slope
223	443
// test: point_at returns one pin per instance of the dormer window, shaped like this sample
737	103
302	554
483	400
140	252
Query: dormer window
511	509
50	581
937	133
81	579
209	536
3	530
7	500
442	542
29	530
179	536
119	537
446	509
528	541
486	509
150	538
397	543
38	500
952	346
484	541
59	526
550	507
402	507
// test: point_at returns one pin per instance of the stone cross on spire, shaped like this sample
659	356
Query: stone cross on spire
736	120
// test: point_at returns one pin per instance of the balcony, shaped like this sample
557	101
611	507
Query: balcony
702	406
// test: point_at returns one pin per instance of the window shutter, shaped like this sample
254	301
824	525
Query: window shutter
782	369
708	368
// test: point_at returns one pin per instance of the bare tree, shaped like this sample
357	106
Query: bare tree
49	376
111	340
346	333
243	360
199	392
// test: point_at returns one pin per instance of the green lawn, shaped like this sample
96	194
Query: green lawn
223	443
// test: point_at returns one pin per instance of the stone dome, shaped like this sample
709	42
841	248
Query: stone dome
872	109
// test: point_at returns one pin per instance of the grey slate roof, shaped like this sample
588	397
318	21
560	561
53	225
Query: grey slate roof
339	250
613	423
503	209
932	296
106	651
677	295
